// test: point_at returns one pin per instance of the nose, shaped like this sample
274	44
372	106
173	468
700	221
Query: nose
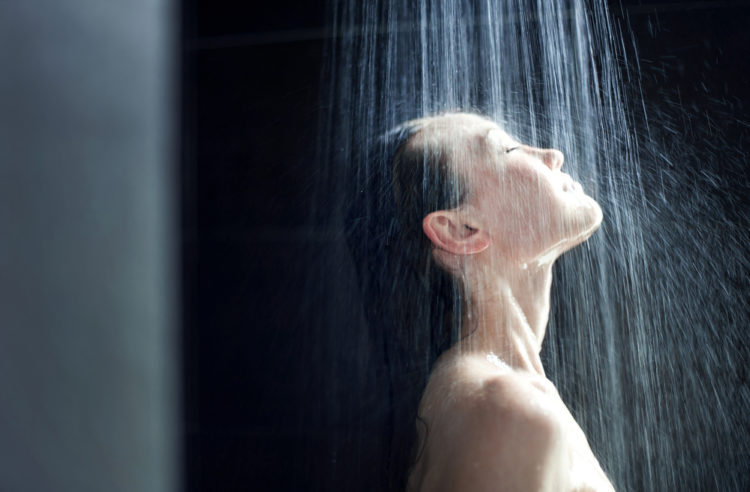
552	158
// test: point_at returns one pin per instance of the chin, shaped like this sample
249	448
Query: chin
576	225
582	222
596	215
589	220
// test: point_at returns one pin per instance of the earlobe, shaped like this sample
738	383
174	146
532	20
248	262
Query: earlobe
446	231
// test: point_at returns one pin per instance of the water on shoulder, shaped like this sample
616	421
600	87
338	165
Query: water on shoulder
481	395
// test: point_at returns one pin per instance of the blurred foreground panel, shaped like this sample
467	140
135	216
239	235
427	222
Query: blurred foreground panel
87	374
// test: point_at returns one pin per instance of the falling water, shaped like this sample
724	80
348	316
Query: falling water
645	340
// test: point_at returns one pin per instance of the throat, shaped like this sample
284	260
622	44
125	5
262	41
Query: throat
506	319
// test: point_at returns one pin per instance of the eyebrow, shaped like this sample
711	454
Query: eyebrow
513	141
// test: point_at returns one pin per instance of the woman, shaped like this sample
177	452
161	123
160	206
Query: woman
468	242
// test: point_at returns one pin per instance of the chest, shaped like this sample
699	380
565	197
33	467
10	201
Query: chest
586	473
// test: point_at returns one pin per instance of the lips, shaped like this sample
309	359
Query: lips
569	185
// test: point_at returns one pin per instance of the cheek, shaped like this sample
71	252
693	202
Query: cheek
530	195
520	204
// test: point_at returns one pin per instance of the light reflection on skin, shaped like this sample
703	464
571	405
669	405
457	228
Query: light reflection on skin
492	428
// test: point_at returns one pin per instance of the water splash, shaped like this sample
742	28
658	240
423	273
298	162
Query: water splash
646	335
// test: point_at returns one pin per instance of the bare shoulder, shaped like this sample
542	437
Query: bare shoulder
472	385
489	426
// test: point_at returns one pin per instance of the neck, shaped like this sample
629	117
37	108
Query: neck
507	314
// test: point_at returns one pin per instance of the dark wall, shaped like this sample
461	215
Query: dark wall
251	82
250	105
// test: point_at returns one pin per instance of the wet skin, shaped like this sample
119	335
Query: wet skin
495	422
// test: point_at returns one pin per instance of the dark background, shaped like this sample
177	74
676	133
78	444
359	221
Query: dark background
251	77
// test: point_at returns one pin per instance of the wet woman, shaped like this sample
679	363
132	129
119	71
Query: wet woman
463	254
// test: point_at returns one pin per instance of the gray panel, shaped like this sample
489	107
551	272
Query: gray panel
87	393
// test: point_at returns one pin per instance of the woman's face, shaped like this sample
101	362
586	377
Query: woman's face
532	210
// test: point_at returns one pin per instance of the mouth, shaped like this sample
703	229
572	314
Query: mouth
569	185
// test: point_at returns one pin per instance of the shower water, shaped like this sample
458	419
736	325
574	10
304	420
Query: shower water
645	335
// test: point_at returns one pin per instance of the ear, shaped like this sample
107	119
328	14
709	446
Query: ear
449	232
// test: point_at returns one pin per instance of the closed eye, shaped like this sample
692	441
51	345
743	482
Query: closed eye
511	149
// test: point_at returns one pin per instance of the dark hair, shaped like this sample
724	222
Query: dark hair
412	306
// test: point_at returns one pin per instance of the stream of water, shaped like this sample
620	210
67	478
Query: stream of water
647	332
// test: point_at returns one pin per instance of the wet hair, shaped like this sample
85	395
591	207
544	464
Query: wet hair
412	305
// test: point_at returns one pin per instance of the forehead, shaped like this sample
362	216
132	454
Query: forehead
474	146
497	137
463	133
